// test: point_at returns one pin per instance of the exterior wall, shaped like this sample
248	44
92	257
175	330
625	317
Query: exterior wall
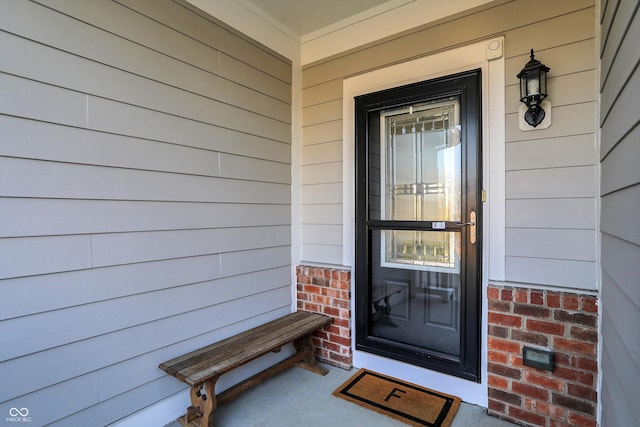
564	322
550	174
620	190
145	183
328	291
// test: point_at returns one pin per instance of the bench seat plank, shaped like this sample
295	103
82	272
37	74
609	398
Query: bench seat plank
212	361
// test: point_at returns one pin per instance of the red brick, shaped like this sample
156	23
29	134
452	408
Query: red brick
341	303
300	305
498	382
580	318
542	381
333	329
331	311
311	289
320	281
503	345
586	393
320	299
574	404
570	302
345	314
522	296
545	327
532	310
344	360
572	346
543	408
337	339
589	304
562	358
559	423
341	285
498	331
497	406
309	306
527	417
529	337
493	293
537	298
579	420
515	361
497	356
506	295
527	390
505	320
585	363
501	306
331	293
504	371
584	334
581	377
504	396
343	323
553	299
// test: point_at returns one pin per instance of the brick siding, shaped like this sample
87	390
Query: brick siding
328	291
565	323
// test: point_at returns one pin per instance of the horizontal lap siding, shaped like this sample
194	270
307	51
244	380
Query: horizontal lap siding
550	174
620	191
145	160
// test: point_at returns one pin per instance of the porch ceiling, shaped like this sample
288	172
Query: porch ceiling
306	16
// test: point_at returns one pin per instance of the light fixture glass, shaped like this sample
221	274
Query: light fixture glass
533	89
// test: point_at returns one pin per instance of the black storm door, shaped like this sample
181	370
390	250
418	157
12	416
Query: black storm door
418	223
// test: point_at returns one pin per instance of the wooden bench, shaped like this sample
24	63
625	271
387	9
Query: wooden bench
202	368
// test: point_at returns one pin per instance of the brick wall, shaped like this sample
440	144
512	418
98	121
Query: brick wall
328	291
565	323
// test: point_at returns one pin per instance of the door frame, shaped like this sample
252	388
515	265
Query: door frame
488	56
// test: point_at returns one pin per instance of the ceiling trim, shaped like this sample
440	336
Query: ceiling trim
255	23
382	21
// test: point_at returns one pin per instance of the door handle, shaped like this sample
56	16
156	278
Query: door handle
472	226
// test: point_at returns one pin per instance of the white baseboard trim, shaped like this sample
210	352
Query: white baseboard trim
158	414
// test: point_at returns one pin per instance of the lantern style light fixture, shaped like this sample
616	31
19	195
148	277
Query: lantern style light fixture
533	89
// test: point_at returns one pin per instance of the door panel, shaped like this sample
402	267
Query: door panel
417	266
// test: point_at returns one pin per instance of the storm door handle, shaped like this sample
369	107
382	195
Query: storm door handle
472	227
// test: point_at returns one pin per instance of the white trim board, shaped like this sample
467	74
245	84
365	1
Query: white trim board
465	58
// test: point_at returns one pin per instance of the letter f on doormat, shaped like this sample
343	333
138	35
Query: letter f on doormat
406	402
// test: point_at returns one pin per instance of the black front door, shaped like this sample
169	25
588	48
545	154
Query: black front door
418	223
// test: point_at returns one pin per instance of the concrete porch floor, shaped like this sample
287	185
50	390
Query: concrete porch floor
300	398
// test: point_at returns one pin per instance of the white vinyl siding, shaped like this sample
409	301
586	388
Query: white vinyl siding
145	211
620	191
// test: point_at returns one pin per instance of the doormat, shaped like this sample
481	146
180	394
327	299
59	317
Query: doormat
406	402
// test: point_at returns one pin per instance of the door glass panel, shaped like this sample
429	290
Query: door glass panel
421	181
418	308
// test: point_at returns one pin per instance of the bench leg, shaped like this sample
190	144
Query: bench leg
202	406
304	346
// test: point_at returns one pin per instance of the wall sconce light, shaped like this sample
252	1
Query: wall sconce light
533	90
